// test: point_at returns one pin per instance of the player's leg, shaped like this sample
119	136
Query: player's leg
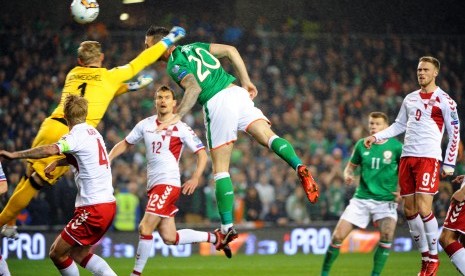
21	197
224	190
341	231
147	225
4	267
261	131
453	248
451	238
387	227
91	262
59	254
407	183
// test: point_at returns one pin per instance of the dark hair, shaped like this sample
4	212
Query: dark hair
432	60
164	88
157	32
377	115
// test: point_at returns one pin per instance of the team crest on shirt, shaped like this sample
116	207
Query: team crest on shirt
186	48
431	102
387	157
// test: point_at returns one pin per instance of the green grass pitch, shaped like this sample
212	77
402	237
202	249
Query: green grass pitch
300	264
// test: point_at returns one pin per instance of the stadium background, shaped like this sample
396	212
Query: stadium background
320	69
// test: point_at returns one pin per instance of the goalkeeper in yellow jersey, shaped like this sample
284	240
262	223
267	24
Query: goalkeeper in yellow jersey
99	86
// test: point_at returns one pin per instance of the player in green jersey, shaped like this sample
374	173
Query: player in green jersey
375	196
227	108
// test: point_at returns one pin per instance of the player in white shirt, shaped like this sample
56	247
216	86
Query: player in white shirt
3	189
95	204
423	116
163	151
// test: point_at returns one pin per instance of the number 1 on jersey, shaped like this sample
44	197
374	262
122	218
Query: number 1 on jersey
82	87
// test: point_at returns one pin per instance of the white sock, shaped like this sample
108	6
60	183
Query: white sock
97	266
417	231
225	227
71	270
458	259
431	231
186	236
143	252
4	267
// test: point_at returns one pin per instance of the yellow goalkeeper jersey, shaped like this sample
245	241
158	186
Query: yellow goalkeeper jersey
100	85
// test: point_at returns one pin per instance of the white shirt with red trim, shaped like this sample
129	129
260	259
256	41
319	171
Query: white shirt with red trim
86	153
164	149
423	118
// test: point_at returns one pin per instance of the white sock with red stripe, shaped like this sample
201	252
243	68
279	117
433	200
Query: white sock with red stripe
187	236
4	267
456	253
417	231
431	232
143	252
68	267
96	265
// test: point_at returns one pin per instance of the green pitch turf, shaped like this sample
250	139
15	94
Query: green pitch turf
256	265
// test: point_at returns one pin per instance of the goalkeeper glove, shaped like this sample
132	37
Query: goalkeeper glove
141	82
174	36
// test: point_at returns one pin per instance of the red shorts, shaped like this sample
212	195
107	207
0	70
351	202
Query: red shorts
455	218
162	199
89	224
418	175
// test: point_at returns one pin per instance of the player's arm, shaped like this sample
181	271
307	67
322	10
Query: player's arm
192	91
452	124
349	173
189	186
52	166
230	52
147	57
34	153
118	149
398	127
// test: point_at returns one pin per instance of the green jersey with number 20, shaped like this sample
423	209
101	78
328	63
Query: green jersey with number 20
378	169
196	59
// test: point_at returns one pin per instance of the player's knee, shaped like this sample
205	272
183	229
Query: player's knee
337	238
445	239
168	238
386	236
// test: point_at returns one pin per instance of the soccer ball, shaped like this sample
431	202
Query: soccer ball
84	11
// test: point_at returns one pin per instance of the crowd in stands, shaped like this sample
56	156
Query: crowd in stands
316	87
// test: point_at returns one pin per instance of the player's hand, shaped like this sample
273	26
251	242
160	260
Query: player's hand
49	169
142	81
397	195
171	121
348	179
174	36
368	141
189	186
251	88
6	154
458	179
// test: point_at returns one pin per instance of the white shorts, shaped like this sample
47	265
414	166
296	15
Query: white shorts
360	211
227	112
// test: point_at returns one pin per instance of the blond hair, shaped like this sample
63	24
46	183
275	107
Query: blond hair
89	52
431	60
75	108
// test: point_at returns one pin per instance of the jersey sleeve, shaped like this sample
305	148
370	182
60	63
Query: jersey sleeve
356	157
136	134
398	127
452	124
67	144
190	139
147	57
178	70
